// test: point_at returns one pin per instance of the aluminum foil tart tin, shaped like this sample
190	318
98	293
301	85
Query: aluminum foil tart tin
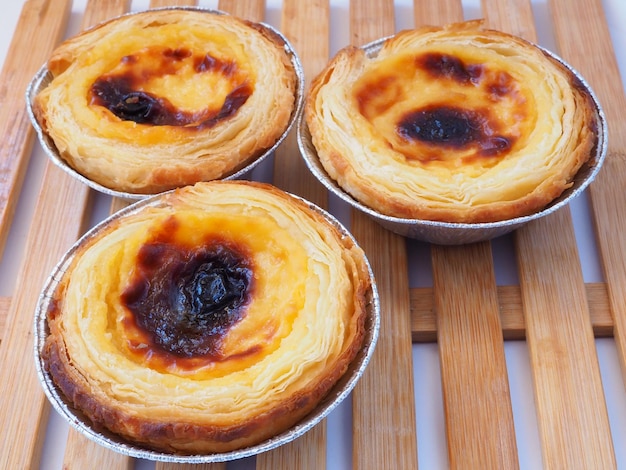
43	77
446	233
116	443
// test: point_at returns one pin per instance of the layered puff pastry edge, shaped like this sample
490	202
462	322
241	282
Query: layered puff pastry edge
457	124
159	99
209	322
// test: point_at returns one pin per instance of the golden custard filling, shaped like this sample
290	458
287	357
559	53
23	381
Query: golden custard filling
182	294
446	106
196	84
139	88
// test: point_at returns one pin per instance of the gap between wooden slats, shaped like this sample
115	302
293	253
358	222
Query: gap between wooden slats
571	410
384	426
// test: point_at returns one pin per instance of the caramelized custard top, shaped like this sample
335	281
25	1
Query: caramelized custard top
438	107
172	87
185	299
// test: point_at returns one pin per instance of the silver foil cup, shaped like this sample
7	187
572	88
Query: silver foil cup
43	78
116	443
448	233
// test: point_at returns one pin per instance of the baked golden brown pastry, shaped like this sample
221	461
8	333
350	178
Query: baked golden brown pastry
208	321
163	98
453	124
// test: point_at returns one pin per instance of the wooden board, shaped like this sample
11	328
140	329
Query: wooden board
470	318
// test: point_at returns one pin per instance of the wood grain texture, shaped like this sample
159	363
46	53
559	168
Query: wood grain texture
39	23
572	415
424	318
384	427
571	411
81	452
5	303
562	312
437	13
253	10
577	39
477	402
172	3
61	209
306	26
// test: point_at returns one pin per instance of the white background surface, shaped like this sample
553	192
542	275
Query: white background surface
432	450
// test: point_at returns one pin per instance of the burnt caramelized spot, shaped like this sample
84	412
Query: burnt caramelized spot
447	66
187	298
122	93
453	127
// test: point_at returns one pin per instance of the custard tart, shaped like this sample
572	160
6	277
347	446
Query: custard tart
209	319
159	99
458	124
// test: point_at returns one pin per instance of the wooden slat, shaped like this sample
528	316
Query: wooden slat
172	3
301	21
306	25
437	13
477	402
384	426
571	410
579	39
20	64
572	415
424	318
60	209
82	453
5	303
471	345
252	10
121	204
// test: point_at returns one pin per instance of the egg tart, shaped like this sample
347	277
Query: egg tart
159	99
207	320
458	124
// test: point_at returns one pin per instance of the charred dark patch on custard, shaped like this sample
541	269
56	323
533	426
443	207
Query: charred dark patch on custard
447	66
187	298
454	127
122	93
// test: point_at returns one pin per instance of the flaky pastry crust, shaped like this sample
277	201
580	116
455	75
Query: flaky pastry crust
251	370
164	98
454	124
